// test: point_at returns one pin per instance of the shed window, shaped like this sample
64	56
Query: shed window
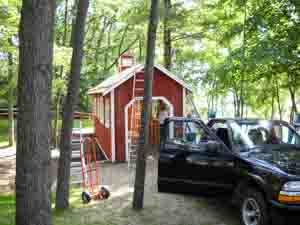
107	112
101	108
97	107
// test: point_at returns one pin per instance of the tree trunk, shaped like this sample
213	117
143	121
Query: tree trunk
98	45
237	105
278	100
63	179
138	196
272	106
291	87
234	105
242	87
11	133
140	49
33	205
167	35
56	120
64	40
105	68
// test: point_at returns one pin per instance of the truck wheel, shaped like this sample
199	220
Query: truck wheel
253	208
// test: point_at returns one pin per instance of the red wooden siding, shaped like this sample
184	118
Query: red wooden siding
102	132
162	86
170	89
123	94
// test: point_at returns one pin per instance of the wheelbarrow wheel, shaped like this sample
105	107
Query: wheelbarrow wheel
85	197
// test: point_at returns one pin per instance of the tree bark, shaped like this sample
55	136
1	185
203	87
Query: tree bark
99	43
140	49
243	66
56	119
292	90
33	205
11	133
63	179
272	106
278	100
64	39
167	35
106	55
138	196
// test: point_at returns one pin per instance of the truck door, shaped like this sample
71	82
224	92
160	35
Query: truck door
191	155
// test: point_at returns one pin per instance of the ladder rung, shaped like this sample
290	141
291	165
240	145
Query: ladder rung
139	89
139	80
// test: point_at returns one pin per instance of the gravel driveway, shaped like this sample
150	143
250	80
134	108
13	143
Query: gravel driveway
160	208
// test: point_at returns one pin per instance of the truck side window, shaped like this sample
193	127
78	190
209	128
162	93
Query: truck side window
186	132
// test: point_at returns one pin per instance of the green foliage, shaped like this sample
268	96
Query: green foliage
220	47
3	132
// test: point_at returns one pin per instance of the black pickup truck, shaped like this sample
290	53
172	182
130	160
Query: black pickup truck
256	161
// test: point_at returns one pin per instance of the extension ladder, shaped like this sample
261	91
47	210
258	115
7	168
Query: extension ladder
135	118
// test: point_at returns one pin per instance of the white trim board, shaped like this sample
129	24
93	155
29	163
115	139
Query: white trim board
183	101
112	127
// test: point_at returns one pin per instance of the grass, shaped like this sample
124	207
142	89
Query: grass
4	133
67	217
84	123
7	210
4	125
114	212
72	216
159	209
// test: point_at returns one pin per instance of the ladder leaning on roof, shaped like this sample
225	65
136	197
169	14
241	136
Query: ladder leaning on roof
191	100
137	91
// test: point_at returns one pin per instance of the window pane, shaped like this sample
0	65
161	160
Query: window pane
98	107
180	132
107	112
286	134
101	108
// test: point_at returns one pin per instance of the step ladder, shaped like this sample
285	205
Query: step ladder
135	119
190	99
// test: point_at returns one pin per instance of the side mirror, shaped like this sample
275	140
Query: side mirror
213	147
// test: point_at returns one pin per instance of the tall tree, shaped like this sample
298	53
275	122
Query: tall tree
33	205
63	180
11	89
167	35
138	197
59	94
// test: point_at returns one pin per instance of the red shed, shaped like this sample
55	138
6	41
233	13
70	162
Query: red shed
117	103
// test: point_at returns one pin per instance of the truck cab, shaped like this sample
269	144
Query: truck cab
260	177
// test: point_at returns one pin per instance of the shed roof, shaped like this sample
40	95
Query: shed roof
114	81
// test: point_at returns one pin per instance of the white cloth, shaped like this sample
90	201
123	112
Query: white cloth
162	116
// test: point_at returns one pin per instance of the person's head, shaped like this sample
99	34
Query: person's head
162	106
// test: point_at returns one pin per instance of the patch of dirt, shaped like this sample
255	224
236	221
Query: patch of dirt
7	170
159	208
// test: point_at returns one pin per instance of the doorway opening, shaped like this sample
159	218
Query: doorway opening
161	108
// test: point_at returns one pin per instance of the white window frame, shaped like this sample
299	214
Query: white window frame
101	109
107	112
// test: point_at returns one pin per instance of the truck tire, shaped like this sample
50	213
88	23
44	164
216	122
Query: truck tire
253	208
